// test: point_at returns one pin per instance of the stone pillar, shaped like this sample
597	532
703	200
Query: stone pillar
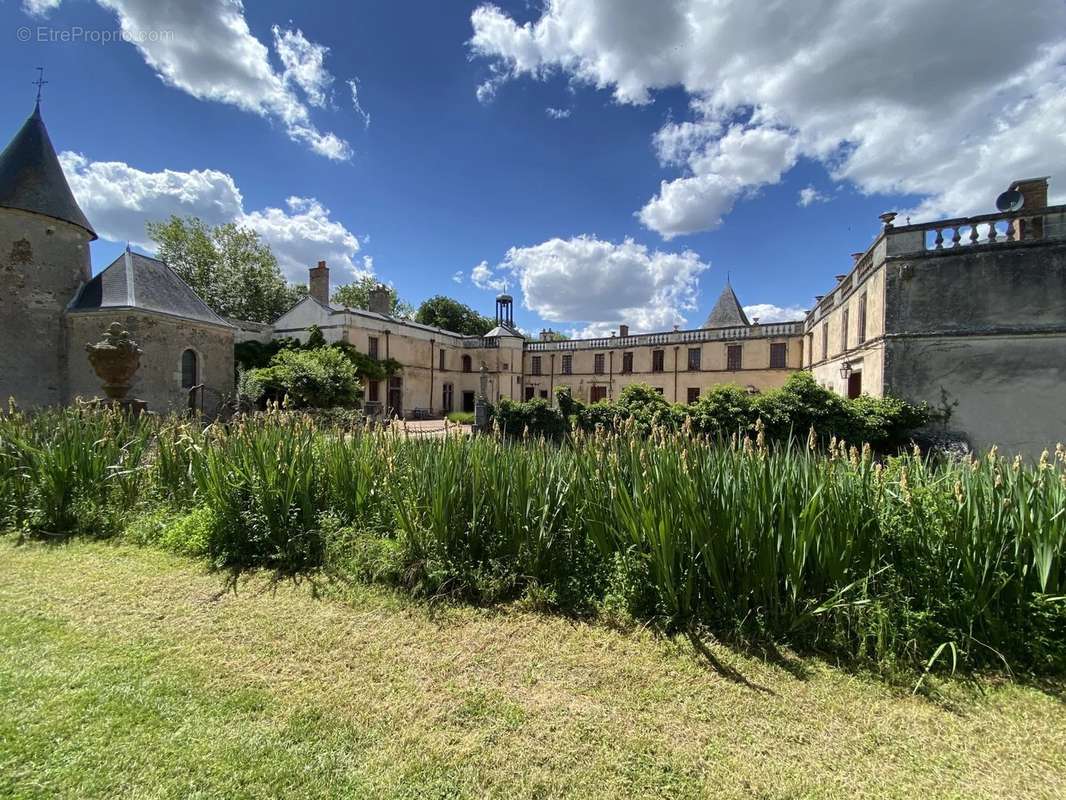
481	403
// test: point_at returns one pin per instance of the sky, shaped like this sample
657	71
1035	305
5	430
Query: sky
604	161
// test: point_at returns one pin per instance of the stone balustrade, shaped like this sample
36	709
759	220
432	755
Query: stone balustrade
776	329
990	229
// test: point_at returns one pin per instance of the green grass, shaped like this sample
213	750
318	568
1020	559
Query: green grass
461	417
129	672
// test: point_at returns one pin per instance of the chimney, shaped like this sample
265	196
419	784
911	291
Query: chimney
380	300
623	330
318	287
1034	190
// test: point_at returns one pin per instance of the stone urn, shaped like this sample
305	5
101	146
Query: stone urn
115	358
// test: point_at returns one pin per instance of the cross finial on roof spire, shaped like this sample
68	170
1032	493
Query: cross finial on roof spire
40	82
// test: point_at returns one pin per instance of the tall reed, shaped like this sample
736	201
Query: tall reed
832	549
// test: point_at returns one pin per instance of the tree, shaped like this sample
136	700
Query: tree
357	295
444	312
234	272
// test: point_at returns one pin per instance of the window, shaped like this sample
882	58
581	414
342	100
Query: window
529	392
442	367
373	349
733	357
598	367
862	320
467	364
372	391
693	395
598	393
778	355
534	365
825	340
568	365
694	356
810	349
189	372
448	396
658	389
844	331
627	362
543	394
658	360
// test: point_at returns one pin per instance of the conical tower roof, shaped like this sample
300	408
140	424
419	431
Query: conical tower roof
727	312
31	178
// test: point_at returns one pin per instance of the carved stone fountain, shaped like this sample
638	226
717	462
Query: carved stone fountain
116	359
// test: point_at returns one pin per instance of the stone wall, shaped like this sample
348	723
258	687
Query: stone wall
983	331
163	340
43	262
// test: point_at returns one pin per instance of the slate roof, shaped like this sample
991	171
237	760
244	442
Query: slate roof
148	284
503	329
727	312
31	178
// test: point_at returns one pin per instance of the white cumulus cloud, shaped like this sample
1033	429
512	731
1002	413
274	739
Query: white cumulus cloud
557	113
809	196
601	283
483	277
206	49
457	276
120	199
768	312
910	97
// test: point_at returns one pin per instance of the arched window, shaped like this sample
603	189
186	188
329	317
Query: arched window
190	373
467	364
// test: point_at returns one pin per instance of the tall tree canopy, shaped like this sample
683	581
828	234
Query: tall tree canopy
444	312
234	272
357	295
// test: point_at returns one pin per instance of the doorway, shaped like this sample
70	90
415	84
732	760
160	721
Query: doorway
396	396
468	402
854	385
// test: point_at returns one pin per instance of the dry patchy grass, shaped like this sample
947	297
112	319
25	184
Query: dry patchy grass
128	672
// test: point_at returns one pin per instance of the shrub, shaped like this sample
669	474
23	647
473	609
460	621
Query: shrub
723	411
460	417
531	418
310	378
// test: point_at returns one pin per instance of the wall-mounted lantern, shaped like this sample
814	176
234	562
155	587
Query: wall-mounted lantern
845	370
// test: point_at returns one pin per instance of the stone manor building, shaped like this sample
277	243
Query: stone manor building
53	306
967	314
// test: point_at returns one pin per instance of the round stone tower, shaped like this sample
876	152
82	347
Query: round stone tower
44	259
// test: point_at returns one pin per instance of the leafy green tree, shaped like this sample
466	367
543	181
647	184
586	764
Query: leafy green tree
444	312
319	378
357	295
234	272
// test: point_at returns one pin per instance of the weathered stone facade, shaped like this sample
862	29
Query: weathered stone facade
164	341
43	261
968	315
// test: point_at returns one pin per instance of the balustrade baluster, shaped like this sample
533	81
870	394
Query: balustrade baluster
992	232
973	234
1011	230
956	237
938	242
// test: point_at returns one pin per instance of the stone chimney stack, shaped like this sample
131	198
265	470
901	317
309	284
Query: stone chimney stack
623	330
318	286
1034	190
380	299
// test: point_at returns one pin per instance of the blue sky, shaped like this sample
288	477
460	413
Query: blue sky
738	116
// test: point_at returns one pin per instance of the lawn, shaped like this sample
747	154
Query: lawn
126	672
